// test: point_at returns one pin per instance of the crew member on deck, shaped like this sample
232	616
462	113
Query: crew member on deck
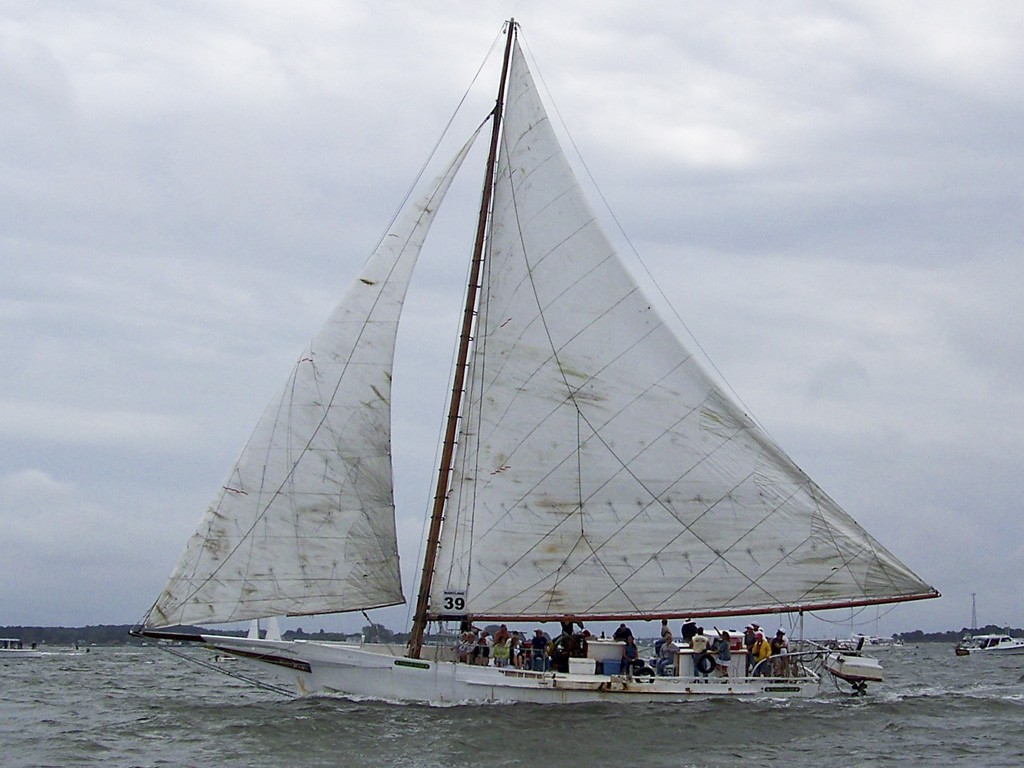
689	631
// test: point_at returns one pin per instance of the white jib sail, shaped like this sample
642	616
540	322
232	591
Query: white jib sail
305	522
600	471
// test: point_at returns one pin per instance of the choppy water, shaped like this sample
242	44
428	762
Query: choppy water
143	707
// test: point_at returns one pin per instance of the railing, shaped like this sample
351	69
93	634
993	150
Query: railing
785	666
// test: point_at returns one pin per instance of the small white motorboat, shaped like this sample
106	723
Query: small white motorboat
999	644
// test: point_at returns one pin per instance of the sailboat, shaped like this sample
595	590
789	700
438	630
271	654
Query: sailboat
591	470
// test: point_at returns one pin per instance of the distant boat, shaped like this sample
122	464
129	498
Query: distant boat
13	648
591	470
994	644
873	642
858	644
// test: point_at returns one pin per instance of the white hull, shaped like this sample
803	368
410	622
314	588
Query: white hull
998	645
10	653
332	669
854	668
1012	650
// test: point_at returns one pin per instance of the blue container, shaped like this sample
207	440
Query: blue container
611	666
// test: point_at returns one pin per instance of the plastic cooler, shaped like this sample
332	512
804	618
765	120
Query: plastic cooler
582	666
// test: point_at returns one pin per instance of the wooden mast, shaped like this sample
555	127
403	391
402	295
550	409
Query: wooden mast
461	364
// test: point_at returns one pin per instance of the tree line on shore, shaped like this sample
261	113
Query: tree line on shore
118	634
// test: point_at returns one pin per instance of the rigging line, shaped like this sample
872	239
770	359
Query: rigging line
633	248
579	470
458	433
854	612
468	446
373	625
439	446
233	674
478	374
437	144
889	609
465	440
455	405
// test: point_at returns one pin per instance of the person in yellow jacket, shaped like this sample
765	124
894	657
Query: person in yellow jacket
761	650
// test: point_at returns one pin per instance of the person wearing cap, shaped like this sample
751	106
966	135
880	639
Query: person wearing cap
688	631
748	643
538	644
761	650
779	648
699	643
723	653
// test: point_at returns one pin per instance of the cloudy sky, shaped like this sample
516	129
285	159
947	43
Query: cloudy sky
828	193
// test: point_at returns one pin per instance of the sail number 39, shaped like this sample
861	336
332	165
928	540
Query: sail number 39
454	602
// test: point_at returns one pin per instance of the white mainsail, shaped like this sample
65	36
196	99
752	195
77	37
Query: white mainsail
305	522
600	472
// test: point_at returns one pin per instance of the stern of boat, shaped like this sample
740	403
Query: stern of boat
853	668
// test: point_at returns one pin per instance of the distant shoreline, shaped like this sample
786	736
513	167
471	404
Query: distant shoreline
118	635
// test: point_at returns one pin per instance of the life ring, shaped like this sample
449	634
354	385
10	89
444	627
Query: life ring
705	663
